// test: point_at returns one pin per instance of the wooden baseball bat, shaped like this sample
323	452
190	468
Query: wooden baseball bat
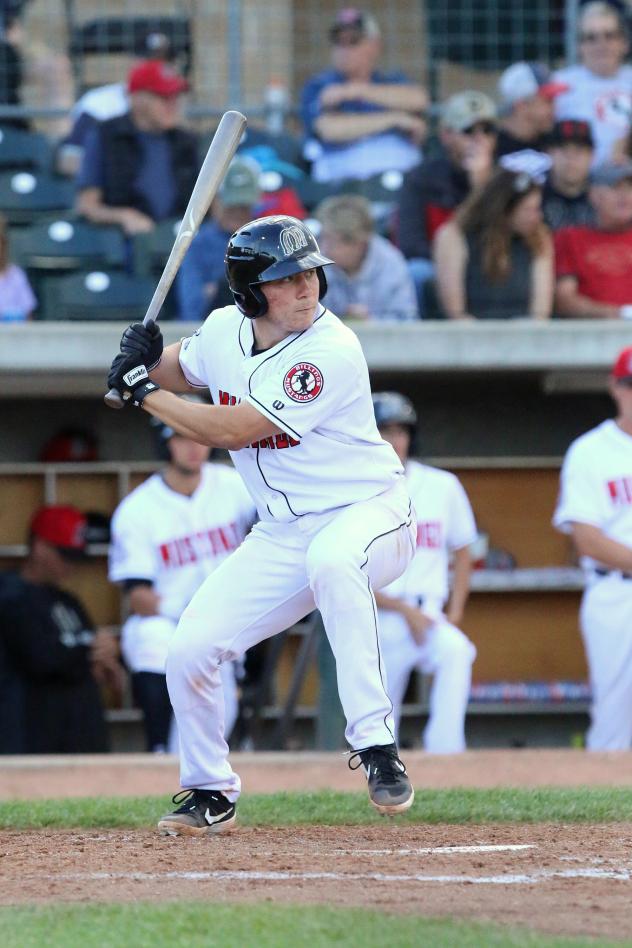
218	157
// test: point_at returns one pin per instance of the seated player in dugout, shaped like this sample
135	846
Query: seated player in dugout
292	404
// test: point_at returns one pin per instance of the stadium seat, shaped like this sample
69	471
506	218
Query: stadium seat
96	295
66	244
26	196
150	251
23	150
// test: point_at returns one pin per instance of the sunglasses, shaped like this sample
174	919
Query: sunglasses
608	35
485	128
347	37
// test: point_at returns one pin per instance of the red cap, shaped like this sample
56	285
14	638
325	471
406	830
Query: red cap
622	369
550	90
63	527
158	77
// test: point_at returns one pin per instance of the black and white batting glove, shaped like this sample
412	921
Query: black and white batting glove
129	376
144	342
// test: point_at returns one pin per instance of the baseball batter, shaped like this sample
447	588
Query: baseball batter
595	508
168	535
414	630
292	403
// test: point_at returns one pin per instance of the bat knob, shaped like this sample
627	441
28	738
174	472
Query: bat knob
113	399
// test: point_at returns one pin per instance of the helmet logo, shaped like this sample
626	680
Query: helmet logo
292	239
303	382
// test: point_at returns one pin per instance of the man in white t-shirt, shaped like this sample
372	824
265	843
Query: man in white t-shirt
292	404
168	535
595	508
415	631
600	86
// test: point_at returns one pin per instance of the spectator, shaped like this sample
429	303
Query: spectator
168	535
565	194
433	190
527	94
369	278
360	121
594	264
53	659
105	102
494	260
17	300
201	284
139	168
600	86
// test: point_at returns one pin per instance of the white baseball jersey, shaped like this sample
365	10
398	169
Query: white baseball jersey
314	385
596	484
175	542
604	101
445	522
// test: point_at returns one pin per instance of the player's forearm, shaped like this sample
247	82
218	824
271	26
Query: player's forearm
460	584
591	541
168	373
231	427
390	604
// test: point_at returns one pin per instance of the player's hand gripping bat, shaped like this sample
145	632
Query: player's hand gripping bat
221	150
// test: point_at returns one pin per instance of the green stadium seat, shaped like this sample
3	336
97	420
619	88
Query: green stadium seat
23	150
26	196
96	295
64	244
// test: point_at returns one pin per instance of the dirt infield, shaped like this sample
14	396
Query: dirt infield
567	879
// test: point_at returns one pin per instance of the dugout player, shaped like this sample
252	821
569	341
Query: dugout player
595	508
415	632
293	405
168	535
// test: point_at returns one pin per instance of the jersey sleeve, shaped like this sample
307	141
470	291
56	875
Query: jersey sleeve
461	526
579	500
192	358
131	554
306	391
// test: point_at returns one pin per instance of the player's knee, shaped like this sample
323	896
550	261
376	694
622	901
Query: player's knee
329	565
457	650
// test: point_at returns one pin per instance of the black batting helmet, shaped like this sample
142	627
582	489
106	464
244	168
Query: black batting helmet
391	408
267	249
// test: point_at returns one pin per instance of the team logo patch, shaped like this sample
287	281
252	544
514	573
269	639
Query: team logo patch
292	239
303	383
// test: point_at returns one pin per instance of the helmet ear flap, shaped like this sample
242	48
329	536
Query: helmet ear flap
322	282
252	303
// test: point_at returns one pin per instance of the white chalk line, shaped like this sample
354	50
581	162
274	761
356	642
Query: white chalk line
533	878
421	851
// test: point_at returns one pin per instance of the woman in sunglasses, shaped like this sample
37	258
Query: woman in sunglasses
600	85
494	259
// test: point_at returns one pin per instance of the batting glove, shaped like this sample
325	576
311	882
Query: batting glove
143	342
129	377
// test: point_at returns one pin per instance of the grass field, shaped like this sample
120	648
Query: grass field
267	925
506	805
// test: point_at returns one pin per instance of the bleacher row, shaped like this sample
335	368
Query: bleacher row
83	271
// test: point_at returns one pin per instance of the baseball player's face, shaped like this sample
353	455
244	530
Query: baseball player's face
399	437
186	455
291	306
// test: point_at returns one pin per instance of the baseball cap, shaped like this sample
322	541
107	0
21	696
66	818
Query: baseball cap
523	80
622	368
464	109
62	526
353	21
240	186
571	132
157	77
610	173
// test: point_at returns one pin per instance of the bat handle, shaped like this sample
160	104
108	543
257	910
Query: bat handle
113	399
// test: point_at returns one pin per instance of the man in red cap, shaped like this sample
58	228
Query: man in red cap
51	658
595	508
139	168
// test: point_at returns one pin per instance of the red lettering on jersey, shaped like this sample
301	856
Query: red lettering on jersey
279	441
226	399
620	490
215	541
429	535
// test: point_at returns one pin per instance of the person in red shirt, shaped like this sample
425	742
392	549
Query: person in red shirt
594	264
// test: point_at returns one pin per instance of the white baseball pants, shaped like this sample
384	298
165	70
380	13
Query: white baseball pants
278	575
606	625
447	654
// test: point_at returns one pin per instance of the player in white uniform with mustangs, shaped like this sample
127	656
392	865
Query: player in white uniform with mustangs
595	508
415	633
168	535
292	403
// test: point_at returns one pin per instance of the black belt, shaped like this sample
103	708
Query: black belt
612	572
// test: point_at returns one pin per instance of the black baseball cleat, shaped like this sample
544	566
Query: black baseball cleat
390	790
201	813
